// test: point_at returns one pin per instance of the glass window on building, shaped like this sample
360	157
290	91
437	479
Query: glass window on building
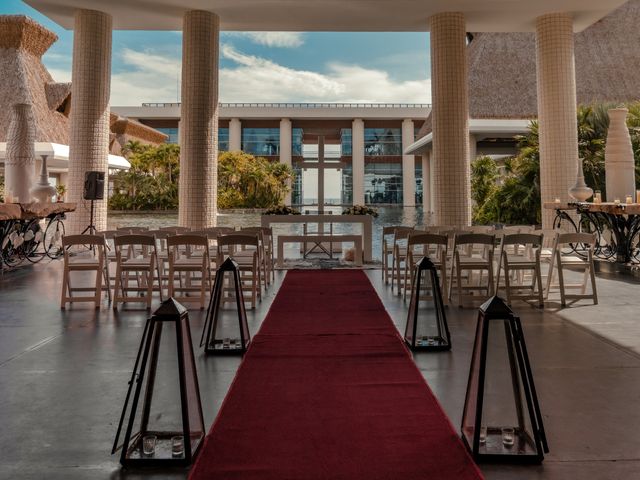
419	184
346	142
382	141
296	142
171	132
382	183
223	139
261	141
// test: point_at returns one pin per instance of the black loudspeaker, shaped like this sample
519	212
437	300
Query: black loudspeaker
94	186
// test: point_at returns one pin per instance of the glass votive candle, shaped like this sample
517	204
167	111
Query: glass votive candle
557	200
508	437
616	201
177	446
637	196
149	444
597	197
483	435
628	199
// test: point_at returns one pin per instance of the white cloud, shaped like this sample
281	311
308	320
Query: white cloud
150	77
273	39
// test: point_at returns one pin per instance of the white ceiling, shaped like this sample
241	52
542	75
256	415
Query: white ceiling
330	15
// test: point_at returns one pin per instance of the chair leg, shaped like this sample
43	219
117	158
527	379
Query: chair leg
563	301
538	277
593	281
117	287
149	287
98	295
459	283
65	285
507	281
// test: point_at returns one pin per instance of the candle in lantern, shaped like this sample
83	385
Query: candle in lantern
597	198
629	199
557	200
637	196
616	201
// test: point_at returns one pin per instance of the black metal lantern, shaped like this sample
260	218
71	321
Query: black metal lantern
227	278
427	327
158	441
501	420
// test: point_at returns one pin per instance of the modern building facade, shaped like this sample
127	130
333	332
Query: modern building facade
362	161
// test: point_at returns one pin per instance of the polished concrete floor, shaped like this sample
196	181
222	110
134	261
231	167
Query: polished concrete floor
64	374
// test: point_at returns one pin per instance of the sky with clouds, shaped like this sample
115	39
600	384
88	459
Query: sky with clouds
261	66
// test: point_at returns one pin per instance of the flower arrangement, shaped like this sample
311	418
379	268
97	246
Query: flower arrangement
61	189
360	210
282	210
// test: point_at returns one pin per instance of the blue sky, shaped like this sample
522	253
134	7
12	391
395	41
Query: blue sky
261	66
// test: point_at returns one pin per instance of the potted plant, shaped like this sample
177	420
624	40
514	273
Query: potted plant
282	210
61	189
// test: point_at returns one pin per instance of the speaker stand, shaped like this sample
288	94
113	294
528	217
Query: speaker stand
91	229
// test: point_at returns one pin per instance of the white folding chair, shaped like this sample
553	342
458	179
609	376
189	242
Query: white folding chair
519	253
93	261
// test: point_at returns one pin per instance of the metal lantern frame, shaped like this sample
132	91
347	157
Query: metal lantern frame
146	366
529	447
442	340
225	346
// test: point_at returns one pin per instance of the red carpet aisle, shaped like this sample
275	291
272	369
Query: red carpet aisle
328	391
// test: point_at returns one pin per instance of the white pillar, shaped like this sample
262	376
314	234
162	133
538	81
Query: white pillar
89	132
408	165
450	119
357	160
235	135
286	140
426	185
556	83
199	124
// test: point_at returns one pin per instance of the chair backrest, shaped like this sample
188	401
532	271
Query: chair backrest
176	230
427	239
573	238
549	237
109	234
135	239
239	240
527	239
481	228
475	239
187	240
89	240
159	234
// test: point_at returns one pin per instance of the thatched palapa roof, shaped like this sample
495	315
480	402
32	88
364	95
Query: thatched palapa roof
502	68
25	79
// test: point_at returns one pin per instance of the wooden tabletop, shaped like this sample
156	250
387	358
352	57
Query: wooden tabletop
605	207
21	211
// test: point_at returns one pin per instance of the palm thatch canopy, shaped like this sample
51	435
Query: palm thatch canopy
25	79
502	68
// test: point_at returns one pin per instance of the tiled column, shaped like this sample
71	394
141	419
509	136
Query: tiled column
408	165
357	160
556	82
285	149
199	124
235	135
450	120
89	135
426	185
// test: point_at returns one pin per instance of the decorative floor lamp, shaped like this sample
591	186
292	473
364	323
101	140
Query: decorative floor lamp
159	446
228	274
427	328
492	428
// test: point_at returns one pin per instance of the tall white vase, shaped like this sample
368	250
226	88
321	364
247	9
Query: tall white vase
43	191
580	191
21	157
619	164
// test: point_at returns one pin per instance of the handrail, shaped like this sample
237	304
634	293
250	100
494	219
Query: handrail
301	105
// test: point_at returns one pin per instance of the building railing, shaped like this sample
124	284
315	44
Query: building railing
302	105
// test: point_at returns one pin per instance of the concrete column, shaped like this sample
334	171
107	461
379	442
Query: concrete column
556	83
426	185
450	119
285	148
357	160
408	165
235	135
199	124
89	135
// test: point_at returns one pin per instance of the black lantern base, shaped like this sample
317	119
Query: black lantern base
429	344
493	450
163	455
226	346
